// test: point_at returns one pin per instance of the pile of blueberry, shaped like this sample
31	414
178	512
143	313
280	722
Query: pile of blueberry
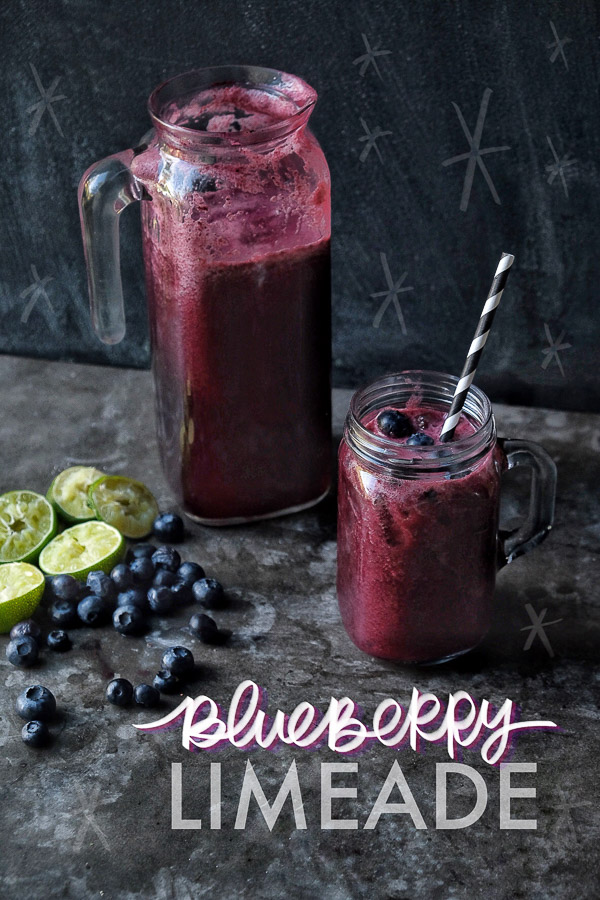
395	424
37	705
177	667
152	580
26	641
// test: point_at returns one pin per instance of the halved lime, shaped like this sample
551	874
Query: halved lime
68	493
27	523
127	504
82	548
21	589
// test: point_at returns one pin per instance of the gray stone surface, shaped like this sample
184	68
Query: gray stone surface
90	817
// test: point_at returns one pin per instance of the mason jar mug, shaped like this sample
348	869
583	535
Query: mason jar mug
418	536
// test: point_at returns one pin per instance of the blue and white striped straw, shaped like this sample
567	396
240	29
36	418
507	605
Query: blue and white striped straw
477	344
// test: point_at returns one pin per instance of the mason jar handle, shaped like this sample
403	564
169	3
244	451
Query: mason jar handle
104	191
541	499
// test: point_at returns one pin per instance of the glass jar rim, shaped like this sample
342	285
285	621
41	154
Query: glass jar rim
291	87
410	461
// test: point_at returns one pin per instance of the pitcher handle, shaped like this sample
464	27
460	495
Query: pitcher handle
104	191
541	500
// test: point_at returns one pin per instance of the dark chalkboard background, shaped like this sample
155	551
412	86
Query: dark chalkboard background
99	61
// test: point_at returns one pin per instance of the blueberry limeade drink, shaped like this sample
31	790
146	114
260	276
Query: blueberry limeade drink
418	521
235	197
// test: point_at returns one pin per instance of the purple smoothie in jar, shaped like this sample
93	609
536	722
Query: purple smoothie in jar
417	524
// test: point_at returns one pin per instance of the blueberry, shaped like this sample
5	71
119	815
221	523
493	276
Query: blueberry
161	599
140	551
165	682
206	629
178	660
200	123
164	578
59	640
22	651
183	593
169	527
209	592
394	424
142	570
119	691
189	572
93	611
146	695
122	577
65	587
420	440
135	596
166	558
128	620
36	702
102	584
35	734
443	452
64	613
27	628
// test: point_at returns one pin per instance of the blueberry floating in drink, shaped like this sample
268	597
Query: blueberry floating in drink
420	440
393	423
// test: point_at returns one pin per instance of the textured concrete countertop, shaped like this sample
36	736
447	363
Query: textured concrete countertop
91	816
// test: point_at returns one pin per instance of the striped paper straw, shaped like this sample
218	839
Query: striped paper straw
477	344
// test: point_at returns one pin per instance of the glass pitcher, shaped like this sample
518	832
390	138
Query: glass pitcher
235	202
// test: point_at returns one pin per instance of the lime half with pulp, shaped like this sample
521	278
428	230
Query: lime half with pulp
82	548
127	504
21	589
27	523
68	493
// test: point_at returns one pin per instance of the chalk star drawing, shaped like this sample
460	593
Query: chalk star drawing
538	628
369	58
88	807
47	99
552	351
371	138
390	295
475	153
558	46
37	290
558	166
565	813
